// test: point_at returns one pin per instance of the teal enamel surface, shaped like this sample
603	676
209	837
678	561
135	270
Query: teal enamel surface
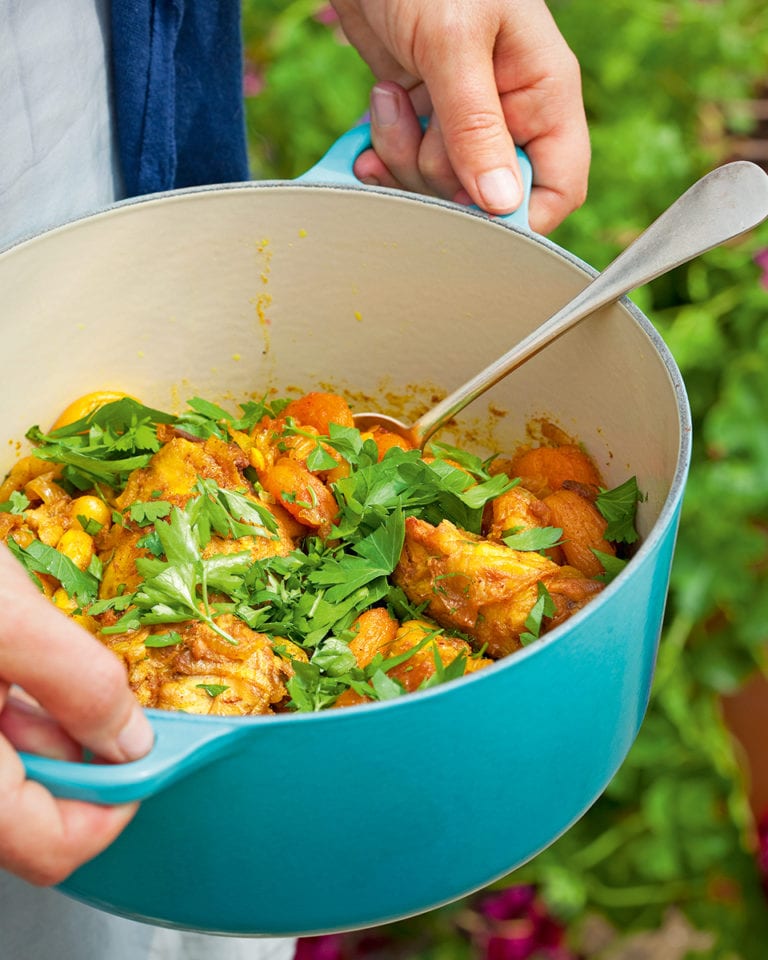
178	750
335	167
362	815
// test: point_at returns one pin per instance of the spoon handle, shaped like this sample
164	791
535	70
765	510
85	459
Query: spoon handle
721	205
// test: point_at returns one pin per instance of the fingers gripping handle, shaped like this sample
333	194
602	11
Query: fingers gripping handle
336	167
182	745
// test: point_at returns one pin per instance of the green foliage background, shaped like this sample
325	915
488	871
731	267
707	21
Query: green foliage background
664	83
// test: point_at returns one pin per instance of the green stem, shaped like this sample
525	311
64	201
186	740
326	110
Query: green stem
206	617
638	896
221	633
608	842
674	640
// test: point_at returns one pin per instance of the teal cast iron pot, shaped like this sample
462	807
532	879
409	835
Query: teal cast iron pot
295	824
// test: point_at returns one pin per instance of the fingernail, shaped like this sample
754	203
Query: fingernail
385	107
136	737
371	181
499	190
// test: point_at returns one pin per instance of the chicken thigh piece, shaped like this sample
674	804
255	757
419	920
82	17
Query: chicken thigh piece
484	588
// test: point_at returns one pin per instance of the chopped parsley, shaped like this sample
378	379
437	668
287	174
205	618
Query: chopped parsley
170	639
533	538
213	689
612	566
544	607
89	525
144	513
17	503
37	557
619	507
105	446
310	597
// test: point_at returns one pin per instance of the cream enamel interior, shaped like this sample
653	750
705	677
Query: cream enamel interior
228	293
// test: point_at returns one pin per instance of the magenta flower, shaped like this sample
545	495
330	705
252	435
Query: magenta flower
761	259
327	15
253	79
346	946
509	924
513	941
514	924
762	847
509	903
330	947
502	948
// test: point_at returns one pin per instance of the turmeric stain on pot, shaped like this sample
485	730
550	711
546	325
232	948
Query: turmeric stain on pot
263	300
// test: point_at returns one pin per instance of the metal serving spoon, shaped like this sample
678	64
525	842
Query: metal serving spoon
722	205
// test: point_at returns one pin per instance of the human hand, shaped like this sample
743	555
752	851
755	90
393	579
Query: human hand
491	74
84	701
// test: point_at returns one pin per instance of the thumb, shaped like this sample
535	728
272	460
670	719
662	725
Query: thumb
75	678
478	143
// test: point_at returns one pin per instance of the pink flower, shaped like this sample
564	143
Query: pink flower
327	15
511	941
509	924
514	924
253	79
508	903
761	259
762	835
330	947
346	946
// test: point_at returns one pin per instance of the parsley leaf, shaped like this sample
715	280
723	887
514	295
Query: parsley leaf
348	442
170	639
229	513
386	687
151	541
118	603
443	673
402	480
469	461
212	411
619	507
17	503
254	411
612	566
169	592
121	417
204	419
533	538
144	513
89	525
105	446
334	658
319	459
544	607
309	690
213	689
37	557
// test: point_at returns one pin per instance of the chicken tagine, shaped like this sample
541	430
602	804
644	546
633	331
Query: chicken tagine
279	559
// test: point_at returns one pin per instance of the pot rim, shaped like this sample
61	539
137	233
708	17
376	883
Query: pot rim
649	543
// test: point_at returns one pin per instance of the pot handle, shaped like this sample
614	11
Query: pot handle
336	168
180	748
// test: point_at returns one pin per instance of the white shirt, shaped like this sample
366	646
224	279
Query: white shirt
58	161
39	924
58	157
